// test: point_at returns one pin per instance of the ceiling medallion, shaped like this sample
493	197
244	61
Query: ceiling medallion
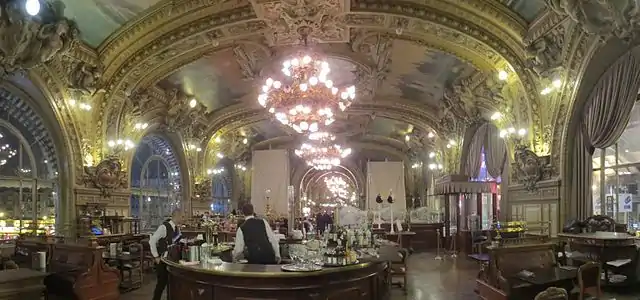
322	155
305	98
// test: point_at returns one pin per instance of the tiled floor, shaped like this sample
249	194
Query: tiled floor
429	279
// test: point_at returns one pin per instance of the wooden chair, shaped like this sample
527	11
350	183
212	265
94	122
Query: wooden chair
589	280
399	268
478	239
553	293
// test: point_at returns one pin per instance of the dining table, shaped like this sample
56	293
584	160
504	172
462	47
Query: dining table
541	279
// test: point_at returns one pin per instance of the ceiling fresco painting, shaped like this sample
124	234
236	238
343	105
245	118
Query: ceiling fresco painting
97	19
420	74
215	80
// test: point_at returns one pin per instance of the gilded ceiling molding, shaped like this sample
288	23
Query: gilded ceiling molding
393	146
454	24
240	115
55	92
176	43
136	34
209	30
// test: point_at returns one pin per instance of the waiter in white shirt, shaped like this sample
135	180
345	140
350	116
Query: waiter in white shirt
256	240
167	234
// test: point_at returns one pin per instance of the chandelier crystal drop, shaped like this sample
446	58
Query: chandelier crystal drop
305	98
322	157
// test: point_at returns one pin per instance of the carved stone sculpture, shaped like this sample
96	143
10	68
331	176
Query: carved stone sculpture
544	56
602	17
85	78
319	19
142	102
529	168
459	100
107	176
25	43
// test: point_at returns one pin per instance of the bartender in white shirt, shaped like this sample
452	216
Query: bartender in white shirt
167	234
256	240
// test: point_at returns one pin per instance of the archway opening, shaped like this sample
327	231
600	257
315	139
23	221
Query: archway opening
324	190
29	185
155	181
222	187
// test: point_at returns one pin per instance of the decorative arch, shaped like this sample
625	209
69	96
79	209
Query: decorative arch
222	186
32	116
156	179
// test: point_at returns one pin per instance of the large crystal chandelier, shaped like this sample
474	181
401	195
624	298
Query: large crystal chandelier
322	157
305	98
6	152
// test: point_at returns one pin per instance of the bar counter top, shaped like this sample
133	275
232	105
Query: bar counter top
367	280
248	270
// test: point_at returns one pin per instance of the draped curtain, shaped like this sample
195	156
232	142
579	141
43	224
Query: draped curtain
495	151
606	115
474	159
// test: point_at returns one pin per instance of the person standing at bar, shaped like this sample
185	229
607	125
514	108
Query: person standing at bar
166	235
256	240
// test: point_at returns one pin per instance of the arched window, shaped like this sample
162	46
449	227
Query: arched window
221	192
155	183
28	182
616	175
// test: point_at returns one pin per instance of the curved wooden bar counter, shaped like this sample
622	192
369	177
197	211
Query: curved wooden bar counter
365	281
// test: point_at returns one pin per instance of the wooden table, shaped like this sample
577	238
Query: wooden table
21	284
605	247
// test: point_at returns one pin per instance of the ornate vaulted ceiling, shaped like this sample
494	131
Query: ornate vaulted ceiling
424	70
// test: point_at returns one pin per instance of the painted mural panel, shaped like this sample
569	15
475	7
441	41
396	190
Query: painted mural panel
97	19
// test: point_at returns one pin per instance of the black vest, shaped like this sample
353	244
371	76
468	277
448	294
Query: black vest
165	242
258	249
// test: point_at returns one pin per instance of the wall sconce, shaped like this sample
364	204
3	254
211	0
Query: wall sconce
432	154
451	144
121	144
436	166
193	147
496	116
215	171
140	126
431	135
555	84
416	165
241	167
505	133
80	105
219	155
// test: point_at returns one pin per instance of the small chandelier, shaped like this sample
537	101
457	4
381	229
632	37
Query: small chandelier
322	157
305	99
6	152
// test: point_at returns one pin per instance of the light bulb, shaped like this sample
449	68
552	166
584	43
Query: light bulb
32	7
502	75
193	103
